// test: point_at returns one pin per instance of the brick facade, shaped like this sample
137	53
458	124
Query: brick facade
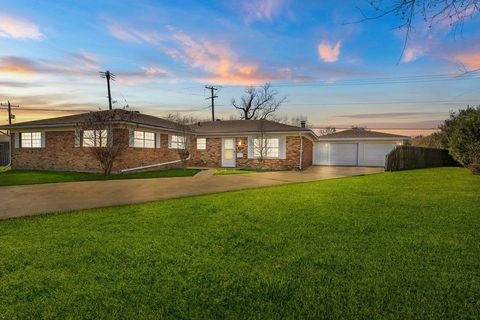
60	153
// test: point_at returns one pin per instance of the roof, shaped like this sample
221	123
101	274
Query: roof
361	134
244	126
117	114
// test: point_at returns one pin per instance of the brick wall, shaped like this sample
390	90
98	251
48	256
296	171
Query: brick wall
61	154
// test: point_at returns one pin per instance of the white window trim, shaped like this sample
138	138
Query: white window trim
203	144
97	138
141	142
282	146
175	145
39	143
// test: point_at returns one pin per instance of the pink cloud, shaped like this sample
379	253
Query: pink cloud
12	27
131	34
329	52
469	59
412	54
263	10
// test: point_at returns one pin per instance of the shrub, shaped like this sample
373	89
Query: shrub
461	132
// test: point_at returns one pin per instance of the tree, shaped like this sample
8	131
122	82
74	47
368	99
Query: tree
96	132
183	147
261	145
433	140
461	133
327	130
431	12
258	102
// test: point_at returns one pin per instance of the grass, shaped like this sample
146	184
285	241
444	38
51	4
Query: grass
396	245
22	177
224	172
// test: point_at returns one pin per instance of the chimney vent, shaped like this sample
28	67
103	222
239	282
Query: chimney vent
303	123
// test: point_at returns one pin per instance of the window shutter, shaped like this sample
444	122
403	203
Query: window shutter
157	139
17	139
42	139
282	150
109	137
250	148
77	139
131	138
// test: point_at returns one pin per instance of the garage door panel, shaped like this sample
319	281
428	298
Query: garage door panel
374	153
343	154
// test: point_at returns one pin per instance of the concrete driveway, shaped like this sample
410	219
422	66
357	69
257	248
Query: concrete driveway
17	201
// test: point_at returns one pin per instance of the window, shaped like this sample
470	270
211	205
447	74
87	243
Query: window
201	143
31	139
95	138
142	139
177	142
269	148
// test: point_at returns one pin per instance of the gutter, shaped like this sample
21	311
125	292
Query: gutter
153	165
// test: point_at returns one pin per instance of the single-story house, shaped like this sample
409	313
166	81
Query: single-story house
152	142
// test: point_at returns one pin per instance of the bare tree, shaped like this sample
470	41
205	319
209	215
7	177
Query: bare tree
327	130
184	146
261	145
431	12
258	102
96	132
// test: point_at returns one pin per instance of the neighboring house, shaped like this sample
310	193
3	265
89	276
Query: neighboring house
152	142
355	148
58	144
4	149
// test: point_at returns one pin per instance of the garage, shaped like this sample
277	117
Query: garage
355	148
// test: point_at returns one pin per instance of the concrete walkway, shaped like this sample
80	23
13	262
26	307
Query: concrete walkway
17	201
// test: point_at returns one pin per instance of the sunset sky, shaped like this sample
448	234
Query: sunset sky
164	52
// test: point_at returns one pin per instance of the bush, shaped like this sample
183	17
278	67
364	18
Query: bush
461	132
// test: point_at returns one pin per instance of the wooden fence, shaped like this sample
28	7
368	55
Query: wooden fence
409	157
4	153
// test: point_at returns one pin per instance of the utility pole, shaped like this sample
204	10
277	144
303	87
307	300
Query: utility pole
212	96
108	75
10	115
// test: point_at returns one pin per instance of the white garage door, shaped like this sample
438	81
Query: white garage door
335	154
374	153
343	154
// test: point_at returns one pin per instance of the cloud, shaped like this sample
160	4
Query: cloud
328	52
263	10
87	59
132	34
470	60
17	28
17	65
412	54
386	115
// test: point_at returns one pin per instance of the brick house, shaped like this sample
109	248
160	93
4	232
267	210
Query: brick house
152	142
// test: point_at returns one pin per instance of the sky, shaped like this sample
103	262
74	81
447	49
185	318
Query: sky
333	70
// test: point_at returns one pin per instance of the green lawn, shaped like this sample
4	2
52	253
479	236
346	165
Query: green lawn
401	245
18	177
224	172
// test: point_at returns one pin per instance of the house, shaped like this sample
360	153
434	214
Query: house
151	142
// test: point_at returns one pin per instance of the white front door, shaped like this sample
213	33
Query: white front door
228	152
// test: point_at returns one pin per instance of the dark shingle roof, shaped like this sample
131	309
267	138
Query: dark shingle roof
117	114
244	126
359	134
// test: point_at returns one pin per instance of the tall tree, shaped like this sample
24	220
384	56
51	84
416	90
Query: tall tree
258	102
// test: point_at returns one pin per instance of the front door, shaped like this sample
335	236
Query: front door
228	152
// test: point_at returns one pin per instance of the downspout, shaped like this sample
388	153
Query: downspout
154	165
301	152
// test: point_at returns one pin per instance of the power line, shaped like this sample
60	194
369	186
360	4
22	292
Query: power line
378	102
50	110
9	108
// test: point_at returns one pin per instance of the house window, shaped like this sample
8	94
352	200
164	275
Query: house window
269	148
201	143
142	139
177	142
95	138
31	139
